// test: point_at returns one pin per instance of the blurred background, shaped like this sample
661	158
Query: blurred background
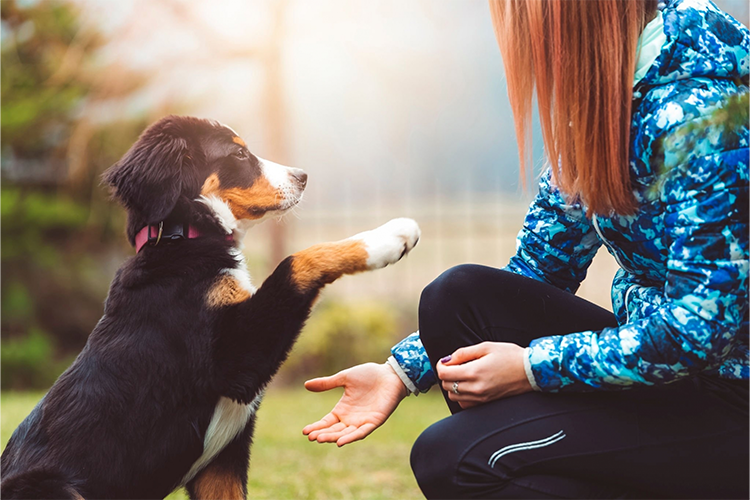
393	108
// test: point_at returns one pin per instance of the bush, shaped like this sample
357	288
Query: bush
28	361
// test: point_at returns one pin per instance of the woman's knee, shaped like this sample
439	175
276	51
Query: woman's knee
450	285
448	294
449	303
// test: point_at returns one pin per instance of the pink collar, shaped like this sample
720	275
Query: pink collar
154	231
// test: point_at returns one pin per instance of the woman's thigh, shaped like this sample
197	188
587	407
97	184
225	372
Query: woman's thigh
470	303
675	441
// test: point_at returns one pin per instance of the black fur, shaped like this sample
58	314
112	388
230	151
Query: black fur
38	483
129	416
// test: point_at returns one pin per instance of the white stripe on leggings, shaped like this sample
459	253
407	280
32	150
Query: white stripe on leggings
525	446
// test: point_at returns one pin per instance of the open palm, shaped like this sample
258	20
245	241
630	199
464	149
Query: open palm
371	393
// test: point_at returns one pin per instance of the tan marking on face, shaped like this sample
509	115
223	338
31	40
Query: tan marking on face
252	202
215	483
324	263
211	185
226	291
238	140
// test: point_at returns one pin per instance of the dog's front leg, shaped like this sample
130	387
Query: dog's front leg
257	334
321	264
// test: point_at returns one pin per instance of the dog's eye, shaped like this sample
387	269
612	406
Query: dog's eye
241	154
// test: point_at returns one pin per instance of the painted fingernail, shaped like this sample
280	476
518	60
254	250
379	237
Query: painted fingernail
446	359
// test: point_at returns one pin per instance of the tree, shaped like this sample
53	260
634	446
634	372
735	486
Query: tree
58	227
40	89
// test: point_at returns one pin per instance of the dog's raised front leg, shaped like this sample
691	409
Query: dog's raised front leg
257	333
321	264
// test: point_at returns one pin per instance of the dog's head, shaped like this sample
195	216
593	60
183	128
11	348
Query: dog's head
186	159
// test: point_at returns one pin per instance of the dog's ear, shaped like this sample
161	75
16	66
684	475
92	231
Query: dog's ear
149	179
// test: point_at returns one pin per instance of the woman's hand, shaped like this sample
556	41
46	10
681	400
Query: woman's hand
371	393
484	372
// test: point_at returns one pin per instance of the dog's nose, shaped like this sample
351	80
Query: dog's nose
300	176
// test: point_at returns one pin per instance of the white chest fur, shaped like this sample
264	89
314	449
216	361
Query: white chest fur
228	420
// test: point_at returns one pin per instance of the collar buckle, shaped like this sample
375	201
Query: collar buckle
156	240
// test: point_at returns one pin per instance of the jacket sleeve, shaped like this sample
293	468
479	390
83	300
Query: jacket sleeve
412	358
557	242
556	245
704	311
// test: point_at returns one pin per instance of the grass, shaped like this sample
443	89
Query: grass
285	465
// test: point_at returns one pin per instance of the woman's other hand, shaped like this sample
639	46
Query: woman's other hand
484	372
371	393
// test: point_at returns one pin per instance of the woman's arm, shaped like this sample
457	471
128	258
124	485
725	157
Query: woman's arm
557	242
704	310
556	245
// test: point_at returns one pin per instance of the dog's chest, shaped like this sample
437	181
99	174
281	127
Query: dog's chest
228	420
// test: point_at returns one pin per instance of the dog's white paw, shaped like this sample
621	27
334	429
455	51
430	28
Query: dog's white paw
389	242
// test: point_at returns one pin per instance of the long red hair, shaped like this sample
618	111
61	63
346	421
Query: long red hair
579	56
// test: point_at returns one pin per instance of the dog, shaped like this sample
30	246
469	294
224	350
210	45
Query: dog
164	394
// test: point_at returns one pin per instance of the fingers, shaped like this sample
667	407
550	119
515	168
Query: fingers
460	373
466	392
323	423
330	430
321	384
465	387
458	366
348	434
333	435
360	432
468	353
468	400
320	435
469	393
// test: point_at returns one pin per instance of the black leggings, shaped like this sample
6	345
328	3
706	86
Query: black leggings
683	440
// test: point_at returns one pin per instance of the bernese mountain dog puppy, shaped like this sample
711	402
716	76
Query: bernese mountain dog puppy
165	391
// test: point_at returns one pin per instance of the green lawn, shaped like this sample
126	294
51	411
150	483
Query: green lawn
285	465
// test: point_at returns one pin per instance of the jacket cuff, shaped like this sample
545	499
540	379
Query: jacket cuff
544	366
402	375
412	358
528	370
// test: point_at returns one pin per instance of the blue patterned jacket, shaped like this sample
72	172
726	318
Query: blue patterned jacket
681	293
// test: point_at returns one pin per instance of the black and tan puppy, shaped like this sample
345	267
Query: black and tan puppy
165	392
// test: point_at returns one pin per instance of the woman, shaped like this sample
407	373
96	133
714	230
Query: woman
628	94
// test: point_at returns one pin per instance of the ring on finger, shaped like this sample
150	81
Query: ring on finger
455	388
